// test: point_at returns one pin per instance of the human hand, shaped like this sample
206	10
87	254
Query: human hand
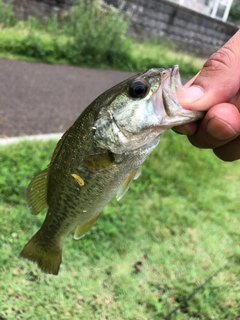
216	89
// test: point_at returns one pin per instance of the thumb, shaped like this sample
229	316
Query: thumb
218	81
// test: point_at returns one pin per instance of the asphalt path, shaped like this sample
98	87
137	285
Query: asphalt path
38	98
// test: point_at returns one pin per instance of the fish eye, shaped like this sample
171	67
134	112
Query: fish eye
138	89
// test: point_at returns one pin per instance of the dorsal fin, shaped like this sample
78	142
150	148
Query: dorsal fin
127	182
37	192
84	227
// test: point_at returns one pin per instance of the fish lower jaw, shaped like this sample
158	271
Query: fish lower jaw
179	119
173	114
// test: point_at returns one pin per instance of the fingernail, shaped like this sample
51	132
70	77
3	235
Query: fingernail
191	94
219	129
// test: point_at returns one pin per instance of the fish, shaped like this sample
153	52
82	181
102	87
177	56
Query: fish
99	156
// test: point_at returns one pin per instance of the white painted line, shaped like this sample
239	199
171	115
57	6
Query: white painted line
41	137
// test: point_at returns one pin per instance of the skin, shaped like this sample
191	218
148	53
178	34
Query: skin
216	90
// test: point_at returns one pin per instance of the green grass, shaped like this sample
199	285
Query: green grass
177	225
88	35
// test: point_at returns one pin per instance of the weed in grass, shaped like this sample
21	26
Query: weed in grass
174	229
95	36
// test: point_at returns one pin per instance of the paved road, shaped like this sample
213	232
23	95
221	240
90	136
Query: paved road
37	98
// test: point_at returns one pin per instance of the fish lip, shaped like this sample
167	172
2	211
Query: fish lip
175	113
171	84
169	91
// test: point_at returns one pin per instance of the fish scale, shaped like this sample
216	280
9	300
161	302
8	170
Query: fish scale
99	156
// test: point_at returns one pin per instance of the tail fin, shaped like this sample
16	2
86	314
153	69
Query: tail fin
47	257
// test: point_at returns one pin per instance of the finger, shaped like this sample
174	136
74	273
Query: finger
218	81
229	151
190	82
220	125
188	129
236	100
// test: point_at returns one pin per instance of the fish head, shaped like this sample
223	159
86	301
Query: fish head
138	110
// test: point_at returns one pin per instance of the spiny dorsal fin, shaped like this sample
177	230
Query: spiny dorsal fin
127	182
84	227
37	192
97	162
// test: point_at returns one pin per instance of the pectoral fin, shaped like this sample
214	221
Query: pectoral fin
37	192
84	227
97	162
127	182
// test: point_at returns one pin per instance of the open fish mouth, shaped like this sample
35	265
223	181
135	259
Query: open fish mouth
175	114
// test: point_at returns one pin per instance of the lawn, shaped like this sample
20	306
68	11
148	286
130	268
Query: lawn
170	245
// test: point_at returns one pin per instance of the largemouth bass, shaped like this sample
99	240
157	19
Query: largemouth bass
99	156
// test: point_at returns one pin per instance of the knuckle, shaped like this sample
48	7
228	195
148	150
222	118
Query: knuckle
196	142
202	143
223	156
220	60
